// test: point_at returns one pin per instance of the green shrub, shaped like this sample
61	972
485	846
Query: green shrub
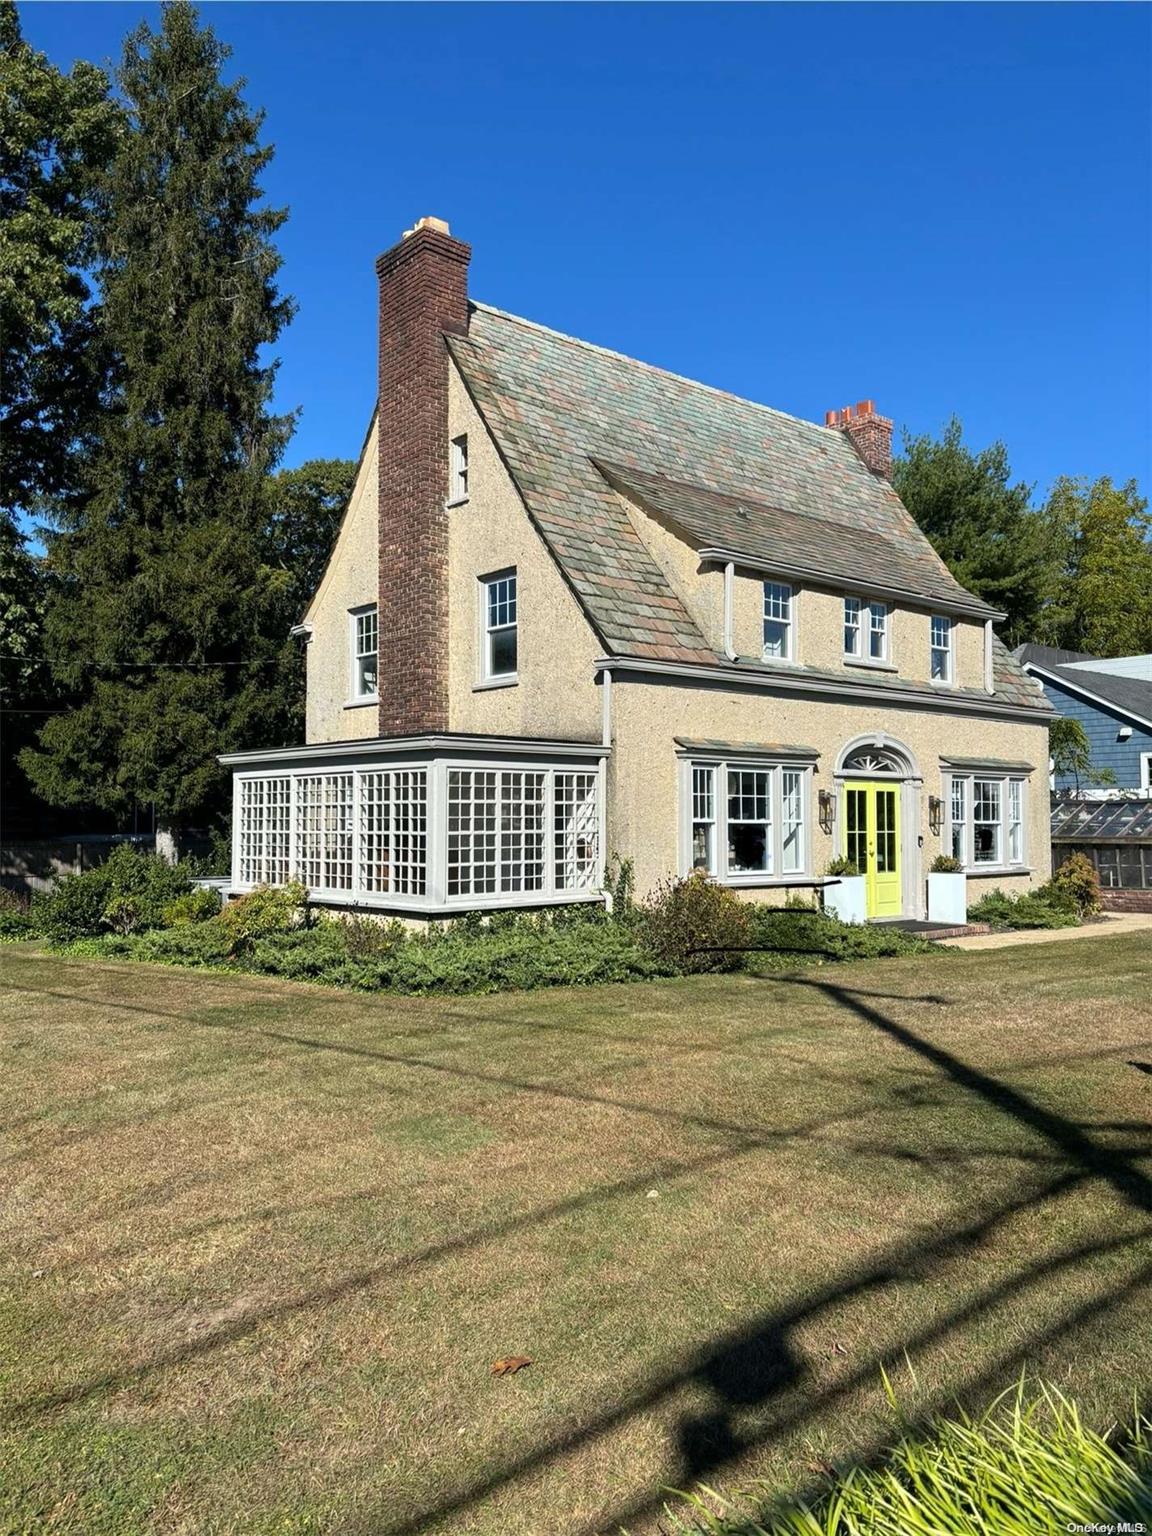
527	951
1031	909
267	910
195	906
801	930
1076	884
945	864
15	916
842	867
1025	1465
127	893
695	925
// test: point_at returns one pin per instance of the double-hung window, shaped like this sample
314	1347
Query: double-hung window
865	629
986	821
364	634
940	641
878	631
458	476
852	633
746	822
498	617
778	629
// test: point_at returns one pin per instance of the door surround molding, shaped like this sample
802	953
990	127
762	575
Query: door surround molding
903	771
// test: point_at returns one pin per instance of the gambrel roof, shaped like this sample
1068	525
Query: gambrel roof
581	429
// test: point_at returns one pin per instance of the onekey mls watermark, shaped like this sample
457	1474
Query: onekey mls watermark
1106	1528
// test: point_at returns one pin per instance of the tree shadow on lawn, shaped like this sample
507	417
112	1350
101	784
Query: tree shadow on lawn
761	1366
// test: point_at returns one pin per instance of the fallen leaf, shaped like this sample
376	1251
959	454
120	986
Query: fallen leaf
653	1194
510	1365
838	1349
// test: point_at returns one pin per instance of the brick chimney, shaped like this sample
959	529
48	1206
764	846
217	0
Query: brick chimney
871	434
423	288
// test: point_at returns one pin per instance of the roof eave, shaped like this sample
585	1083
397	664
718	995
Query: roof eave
721	554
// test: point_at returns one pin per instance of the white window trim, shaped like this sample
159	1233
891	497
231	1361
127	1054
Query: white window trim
459	469
861	611
949	678
486	678
775	766
1003	866
1146	770
864	657
789	623
434	899
357	700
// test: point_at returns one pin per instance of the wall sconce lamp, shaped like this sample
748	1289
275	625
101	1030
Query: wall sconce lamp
935	813
827	810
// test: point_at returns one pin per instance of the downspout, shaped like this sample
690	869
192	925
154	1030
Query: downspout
989	683
602	811
729	573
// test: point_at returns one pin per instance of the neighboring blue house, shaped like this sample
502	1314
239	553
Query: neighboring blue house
1112	699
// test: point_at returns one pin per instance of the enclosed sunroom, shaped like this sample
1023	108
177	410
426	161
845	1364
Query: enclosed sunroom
423	825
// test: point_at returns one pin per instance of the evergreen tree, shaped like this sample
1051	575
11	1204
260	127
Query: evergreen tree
57	135
1103	603
982	526
165	613
306	506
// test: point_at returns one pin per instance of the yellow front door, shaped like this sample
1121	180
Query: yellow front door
871	822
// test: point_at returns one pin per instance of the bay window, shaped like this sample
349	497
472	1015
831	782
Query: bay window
746	822
986	821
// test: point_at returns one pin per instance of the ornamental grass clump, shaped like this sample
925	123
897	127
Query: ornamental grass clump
1028	1466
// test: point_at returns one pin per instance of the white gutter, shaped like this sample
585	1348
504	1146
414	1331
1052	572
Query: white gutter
439	744
304	629
729	575
989	679
797	682
606	707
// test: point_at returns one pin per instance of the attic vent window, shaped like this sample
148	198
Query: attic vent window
458	484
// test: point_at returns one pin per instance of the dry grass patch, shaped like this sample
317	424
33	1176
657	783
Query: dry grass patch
262	1242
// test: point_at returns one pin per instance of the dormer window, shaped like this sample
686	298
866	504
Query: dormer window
458	480
778	628
364	637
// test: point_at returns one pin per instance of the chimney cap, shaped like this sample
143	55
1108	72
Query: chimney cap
428	222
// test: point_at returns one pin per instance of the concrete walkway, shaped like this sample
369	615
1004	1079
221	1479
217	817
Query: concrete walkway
1113	923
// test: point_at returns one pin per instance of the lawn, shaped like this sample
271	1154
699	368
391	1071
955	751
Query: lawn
260	1243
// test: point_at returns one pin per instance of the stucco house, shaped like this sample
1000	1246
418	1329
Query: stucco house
581	607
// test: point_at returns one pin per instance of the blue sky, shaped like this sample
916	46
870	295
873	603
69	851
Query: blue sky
943	207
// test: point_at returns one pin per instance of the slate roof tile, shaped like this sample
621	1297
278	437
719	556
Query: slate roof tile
717	464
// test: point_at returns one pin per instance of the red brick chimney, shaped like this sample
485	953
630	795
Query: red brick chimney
871	434
423	286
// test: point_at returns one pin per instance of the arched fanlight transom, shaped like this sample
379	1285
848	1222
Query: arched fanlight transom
874	759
